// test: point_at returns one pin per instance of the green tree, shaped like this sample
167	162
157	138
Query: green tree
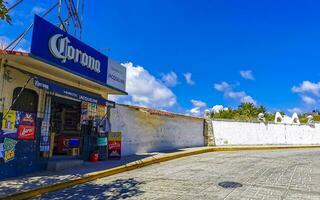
245	111
4	13
224	114
250	110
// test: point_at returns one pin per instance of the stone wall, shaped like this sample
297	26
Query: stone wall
147	130
208	133
256	133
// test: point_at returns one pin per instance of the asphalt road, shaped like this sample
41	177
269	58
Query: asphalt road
278	174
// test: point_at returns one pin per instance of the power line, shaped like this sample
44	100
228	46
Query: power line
21	36
81	20
72	14
14	5
72	17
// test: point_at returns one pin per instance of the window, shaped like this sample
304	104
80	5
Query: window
27	101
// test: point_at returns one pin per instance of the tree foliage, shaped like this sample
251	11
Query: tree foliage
304	117
245	111
250	112
4	14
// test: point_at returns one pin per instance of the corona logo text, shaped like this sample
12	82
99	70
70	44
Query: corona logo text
61	48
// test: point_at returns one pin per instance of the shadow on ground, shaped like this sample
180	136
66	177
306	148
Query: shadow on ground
44	178
118	189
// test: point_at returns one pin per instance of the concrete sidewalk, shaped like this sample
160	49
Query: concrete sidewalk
46	181
44	178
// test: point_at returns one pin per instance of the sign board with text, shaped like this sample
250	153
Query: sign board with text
54	46
116	77
114	145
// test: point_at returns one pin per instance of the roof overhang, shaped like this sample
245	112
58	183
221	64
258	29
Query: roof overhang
23	61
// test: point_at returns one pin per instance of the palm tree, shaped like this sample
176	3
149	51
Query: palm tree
4	15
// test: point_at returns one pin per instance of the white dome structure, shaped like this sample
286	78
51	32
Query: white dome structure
295	119
278	118
286	119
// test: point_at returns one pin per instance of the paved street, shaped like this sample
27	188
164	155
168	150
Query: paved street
278	174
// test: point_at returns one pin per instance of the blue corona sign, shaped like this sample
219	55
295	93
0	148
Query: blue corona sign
54	46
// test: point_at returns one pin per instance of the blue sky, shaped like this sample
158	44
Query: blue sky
266	52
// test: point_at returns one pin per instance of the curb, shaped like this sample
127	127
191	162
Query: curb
134	165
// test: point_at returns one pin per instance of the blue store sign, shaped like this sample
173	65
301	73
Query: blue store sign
54	46
75	93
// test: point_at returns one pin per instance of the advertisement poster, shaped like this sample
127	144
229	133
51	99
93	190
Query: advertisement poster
9	124
1	150
102	141
17	124
101	110
9	120
7	149
45	143
26	128
9	143
9	155
27	118
26	132
114	145
84	113
44	139
92	110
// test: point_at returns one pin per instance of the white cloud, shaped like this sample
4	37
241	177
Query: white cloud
188	77
4	41
170	79
199	107
235	95
198	103
218	108
308	100
195	111
229	92
222	87
248	99
37	10
21	50
307	87
145	90
295	110
22	46
247	74
308	91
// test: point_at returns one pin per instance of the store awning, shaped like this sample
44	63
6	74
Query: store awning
75	93
24	62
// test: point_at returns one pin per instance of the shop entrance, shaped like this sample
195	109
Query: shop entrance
65	127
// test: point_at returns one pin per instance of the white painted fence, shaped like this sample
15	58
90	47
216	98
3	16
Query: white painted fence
146	130
254	133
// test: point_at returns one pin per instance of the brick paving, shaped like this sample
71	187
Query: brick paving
277	174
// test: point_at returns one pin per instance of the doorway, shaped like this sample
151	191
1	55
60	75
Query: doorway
65	127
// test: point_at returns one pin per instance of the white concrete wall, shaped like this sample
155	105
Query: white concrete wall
146	130
254	133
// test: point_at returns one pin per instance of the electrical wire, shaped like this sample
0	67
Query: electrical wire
21	36
75	13
14	5
81	20
14	101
